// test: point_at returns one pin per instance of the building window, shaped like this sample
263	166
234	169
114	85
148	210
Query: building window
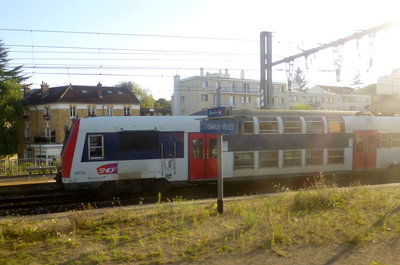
335	156
204	84
246	88
91	111
109	111
72	111
96	143
217	84
46	113
232	101
335	124
243	160
314	125
291	125
314	157
268	125
246	99
395	141
204	97
292	158
268	158
127	111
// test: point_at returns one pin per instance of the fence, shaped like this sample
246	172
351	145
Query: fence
10	167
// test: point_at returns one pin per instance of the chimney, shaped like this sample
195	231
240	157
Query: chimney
201	72
44	87
241	74
99	84
226	71
27	90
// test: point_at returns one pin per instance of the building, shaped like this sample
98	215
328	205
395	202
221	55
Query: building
389	84
49	113
197	93
329	98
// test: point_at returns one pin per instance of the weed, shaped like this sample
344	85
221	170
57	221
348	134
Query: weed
82	219
250	218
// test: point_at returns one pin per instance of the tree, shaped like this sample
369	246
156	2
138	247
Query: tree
299	79
301	106
162	103
143	95
11	105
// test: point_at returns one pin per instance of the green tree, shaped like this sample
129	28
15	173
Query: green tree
162	103
300	79
143	95
301	106
10	103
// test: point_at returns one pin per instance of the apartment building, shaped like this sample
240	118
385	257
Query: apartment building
197	93
49	113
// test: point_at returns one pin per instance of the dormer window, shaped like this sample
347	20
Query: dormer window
84	91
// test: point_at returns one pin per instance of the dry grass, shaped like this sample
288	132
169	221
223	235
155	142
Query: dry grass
182	231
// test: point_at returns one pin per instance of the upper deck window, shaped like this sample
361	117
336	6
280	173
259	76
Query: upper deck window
314	125
291	125
268	125
335	124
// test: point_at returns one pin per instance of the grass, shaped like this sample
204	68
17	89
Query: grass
183	231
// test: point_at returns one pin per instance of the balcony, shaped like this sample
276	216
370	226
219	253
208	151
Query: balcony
44	140
46	117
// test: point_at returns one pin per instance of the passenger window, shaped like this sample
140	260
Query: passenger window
395	139
359	144
248	127
197	149
291	125
314	157
292	158
96	144
243	160
268	125
269	158
384	140
335	156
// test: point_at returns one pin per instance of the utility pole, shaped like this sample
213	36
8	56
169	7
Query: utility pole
267	64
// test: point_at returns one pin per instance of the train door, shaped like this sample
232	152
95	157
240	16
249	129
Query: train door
364	150
202	156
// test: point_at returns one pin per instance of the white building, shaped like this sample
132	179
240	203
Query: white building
389	84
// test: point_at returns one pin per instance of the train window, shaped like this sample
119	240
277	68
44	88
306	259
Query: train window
359	144
335	156
269	158
292	158
314	157
197	149
384	140
243	160
96	143
335	124
139	141
395	141
248	127
371	145
212	148
314	125
268	125
291	125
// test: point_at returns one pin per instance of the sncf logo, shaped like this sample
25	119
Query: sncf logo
108	169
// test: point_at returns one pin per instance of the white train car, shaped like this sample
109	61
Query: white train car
256	144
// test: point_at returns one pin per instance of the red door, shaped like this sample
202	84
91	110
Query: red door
202	156
364	150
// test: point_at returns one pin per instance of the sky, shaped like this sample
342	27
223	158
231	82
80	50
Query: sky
85	42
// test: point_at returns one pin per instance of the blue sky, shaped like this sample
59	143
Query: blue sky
296	25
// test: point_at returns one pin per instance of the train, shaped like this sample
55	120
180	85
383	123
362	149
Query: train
136	151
